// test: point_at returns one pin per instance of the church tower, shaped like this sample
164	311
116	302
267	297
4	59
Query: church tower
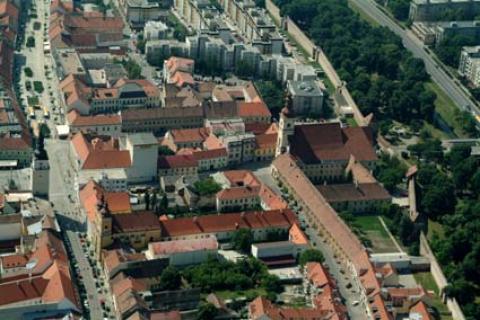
286	126
40	179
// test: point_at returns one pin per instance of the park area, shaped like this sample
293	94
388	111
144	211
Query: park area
372	232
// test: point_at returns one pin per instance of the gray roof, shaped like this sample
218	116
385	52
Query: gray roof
143	138
305	88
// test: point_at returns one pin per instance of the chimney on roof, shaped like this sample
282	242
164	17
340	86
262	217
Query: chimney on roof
237	226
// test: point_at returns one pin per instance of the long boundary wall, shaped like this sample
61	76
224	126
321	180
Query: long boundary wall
439	278
317	54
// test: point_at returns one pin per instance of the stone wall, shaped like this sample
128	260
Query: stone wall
439	278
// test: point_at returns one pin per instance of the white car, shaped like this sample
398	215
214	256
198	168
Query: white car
355	303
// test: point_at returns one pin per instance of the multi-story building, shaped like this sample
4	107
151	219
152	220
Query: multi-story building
101	124
124	94
138	12
469	65
240	147
155	30
15	152
143	150
177	165
306	97
433	10
196	13
323	150
224	226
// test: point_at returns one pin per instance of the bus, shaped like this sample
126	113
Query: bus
46	113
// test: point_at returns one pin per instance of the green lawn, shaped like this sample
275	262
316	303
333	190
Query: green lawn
351	122
445	108
426	280
435	132
371	228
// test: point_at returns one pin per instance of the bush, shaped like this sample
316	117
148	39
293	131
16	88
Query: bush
310	255
30	42
207	186
28	72
38	86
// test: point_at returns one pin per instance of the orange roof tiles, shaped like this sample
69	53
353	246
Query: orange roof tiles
296	235
312	143
96	152
75	119
317	275
48	282
13	261
177	161
91	195
135	222
176	63
271	199
189	135
421	309
237	193
253	109
228	222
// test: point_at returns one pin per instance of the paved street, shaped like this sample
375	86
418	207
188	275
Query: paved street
94	307
342	276
412	43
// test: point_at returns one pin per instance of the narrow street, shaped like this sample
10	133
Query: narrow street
93	307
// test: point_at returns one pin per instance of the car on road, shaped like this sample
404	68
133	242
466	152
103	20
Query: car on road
355	303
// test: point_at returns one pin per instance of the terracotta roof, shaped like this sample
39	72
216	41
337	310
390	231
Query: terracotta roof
253	109
420	308
317	275
210	154
48	282
128	283
13	261
114	258
98	152
237	193
228	222
75	119
169	315
176	63
91	195
181	246
296	235
271	199
177	161
9	143
189	135
146	114
312	143
141	221
182	78
266	141
351	192
241	178
262	308
360	174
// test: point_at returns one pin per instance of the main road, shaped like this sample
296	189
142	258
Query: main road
412	43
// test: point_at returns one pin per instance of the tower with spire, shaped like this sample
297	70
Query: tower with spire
286	126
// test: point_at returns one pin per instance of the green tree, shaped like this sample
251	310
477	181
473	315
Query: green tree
310	255
206	311
170	279
242	240
207	186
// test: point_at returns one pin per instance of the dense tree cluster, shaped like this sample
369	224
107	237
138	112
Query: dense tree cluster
310	255
390	172
448	50
449	192
399	8
246	274
207	186
382	75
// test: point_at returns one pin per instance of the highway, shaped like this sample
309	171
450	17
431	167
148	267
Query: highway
414	45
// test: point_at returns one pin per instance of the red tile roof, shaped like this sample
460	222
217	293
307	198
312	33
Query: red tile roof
253	109
97	152
228	222
13	261
134	222
317	275
351	192
237	193
77	120
177	161
210	154
189	135
421	309
312	143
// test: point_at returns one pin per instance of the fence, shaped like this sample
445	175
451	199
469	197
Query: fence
439	278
